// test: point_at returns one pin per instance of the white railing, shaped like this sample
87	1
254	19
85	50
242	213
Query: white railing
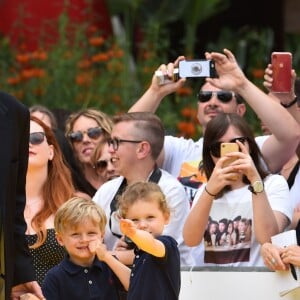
217	283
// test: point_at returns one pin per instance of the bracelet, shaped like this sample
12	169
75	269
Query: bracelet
210	194
289	104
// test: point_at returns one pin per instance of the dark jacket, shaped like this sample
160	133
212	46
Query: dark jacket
14	135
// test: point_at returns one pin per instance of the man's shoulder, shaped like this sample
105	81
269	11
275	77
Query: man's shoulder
107	191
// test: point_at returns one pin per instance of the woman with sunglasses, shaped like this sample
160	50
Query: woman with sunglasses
242	188
48	185
101	161
84	130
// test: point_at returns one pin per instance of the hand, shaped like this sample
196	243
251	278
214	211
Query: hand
271	256
127	227
168	69
244	164
121	245
281	97
28	287
231	77
291	255
99	248
28	296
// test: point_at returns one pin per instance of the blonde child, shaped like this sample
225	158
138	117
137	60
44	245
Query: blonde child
87	272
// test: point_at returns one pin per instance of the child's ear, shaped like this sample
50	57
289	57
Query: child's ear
167	218
59	238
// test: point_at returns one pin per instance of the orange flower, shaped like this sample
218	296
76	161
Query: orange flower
187	129
184	91
37	72
84	64
96	41
23	58
188	112
13	80
84	79
27	73
100	57
258	73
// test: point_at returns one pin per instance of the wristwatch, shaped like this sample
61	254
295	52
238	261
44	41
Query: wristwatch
256	187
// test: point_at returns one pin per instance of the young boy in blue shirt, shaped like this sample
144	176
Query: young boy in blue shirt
88	271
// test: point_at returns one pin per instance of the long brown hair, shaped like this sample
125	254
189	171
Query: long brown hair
57	189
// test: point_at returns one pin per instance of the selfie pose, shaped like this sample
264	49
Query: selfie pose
239	188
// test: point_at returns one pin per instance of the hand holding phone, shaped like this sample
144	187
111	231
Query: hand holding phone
282	76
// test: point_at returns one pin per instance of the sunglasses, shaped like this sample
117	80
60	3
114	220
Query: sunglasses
101	165
92	133
115	142
36	138
223	96
215	148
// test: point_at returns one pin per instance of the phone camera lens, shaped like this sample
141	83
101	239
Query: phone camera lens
196	69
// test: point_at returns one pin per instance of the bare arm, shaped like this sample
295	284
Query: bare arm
281	145
122	271
143	239
151	99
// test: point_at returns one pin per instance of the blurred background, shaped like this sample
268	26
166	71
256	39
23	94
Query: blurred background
72	54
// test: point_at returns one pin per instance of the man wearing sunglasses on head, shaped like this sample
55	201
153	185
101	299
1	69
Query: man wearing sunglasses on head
218	95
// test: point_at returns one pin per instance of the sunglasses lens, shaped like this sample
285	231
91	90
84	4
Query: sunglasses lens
204	96
76	136
94	133
36	138
101	165
215	149
224	97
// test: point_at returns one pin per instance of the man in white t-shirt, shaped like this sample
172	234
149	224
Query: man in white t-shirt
217	95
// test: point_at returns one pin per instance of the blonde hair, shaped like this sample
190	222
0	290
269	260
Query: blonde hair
145	191
76	211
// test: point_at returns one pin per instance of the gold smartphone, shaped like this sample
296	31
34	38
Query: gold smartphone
228	148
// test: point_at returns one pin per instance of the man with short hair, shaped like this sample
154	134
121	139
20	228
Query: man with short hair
136	141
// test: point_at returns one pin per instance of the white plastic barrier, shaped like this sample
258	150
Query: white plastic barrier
219	283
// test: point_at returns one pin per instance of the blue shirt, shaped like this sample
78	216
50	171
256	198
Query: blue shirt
156	277
69	281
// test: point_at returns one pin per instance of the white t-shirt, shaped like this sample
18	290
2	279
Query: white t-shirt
241	247
177	202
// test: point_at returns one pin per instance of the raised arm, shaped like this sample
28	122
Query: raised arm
282	144
143	239
151	99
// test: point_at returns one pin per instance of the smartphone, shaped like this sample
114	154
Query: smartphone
227	148
197	68
282	67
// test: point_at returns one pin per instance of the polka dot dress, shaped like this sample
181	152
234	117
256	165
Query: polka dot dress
46	256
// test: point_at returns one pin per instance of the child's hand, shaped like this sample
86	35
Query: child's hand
28	296
127	227
98	248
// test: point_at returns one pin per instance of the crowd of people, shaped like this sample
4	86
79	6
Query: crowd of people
106	211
